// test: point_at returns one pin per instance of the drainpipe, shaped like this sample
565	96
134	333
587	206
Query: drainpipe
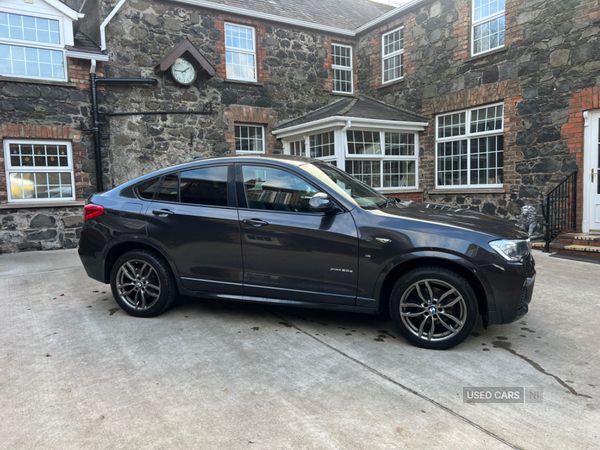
105	23
97	149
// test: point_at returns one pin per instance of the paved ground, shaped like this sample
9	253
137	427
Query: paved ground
76	372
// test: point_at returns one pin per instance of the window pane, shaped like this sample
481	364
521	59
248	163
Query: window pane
276	190
27	28
33	62
489	35
342	80
393	42
240	65
392	68
146	190
169	189
322	145
452	163
205	186
399	144
298	148
249	138
363	142
487	160
487	119
241	38
452	125
368	171
399	174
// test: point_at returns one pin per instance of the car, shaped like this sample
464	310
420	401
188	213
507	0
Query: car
300	232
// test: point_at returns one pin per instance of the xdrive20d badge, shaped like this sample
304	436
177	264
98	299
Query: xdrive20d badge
301	232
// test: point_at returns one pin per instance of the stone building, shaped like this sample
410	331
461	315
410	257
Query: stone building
481	104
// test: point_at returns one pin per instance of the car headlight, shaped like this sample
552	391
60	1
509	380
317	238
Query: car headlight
512	250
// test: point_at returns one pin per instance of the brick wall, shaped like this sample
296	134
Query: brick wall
255	116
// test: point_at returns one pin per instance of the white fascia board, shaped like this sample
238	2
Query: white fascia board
70	13
88	56
265	16
317	125
356	122
388	16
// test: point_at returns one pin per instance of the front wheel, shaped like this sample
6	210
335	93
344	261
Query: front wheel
433	307
142	283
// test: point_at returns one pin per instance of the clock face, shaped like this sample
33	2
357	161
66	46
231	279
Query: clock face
183	72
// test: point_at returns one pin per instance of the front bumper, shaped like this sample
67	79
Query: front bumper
512	288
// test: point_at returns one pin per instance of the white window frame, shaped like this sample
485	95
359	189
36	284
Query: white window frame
385	56
467	136
475	23
296	148
264	138
242	51
382	157
330	158
42	169
39	45
349	68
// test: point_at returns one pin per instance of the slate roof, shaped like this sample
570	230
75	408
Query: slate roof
358	106
84	44
345	14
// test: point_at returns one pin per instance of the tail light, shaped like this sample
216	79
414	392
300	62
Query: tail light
91	211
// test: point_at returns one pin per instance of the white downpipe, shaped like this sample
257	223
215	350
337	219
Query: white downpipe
93	66
348	125
105	23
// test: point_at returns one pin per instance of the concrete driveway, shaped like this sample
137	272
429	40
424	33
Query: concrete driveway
76	372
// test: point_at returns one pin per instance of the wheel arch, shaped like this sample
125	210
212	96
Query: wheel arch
483	297
122	247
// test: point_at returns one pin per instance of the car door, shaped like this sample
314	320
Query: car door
194	218
290	252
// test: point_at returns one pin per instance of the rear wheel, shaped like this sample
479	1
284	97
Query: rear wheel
433	307
142	283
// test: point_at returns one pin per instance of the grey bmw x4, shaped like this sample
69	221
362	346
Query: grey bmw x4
300	232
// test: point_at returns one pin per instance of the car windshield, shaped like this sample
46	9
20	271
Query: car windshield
346	185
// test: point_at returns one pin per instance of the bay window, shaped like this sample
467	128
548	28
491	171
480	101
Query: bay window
470	148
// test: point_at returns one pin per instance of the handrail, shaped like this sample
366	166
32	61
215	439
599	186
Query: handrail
560	209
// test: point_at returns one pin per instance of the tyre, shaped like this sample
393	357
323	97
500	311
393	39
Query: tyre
142	283
433	307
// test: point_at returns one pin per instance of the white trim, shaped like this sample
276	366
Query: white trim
252	52
88	56
475	23
69	12
467	136
344	68
357	122
385	56
41	169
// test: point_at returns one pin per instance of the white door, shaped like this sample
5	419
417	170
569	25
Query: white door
591	177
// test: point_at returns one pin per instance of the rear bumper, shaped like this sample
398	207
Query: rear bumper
512	286
91	247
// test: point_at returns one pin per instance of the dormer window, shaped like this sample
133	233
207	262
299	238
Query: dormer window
31	47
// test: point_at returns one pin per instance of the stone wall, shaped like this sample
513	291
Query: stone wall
38	228
293	78
551	53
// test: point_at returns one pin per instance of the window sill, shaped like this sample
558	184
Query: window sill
391	83
36	81
399	190
247	83
39	205
488	53
342	94
495	190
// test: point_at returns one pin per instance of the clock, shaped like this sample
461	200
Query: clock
183	72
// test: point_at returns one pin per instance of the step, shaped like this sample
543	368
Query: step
575	249
587	242
581	237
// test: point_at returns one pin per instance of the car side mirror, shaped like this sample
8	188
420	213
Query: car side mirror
321	203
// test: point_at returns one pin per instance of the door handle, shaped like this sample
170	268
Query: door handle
255	222
593	173
162	212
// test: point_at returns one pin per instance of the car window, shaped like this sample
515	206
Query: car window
147	189
204	186
276	190
169	188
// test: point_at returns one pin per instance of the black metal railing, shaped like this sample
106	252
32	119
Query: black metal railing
560	209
